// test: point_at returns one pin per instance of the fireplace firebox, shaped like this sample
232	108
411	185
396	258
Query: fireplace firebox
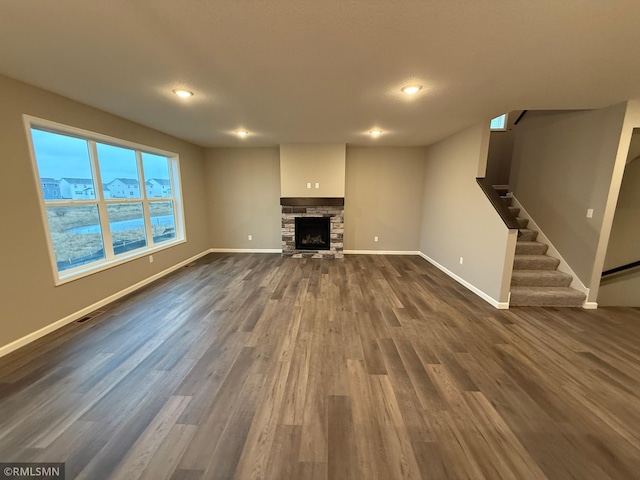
312	233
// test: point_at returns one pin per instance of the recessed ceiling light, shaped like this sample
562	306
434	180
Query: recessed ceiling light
242	133
375	133
183	93
411	89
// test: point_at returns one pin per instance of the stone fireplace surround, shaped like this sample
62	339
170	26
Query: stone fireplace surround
332	207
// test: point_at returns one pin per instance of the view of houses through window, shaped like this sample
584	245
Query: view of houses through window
103	200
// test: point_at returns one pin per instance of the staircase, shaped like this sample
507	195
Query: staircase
535	280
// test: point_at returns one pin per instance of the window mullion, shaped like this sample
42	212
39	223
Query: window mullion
178	206
145	201
102	205
69	203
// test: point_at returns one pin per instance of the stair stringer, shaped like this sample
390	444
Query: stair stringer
564	267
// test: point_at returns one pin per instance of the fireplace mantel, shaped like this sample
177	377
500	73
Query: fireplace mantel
312	201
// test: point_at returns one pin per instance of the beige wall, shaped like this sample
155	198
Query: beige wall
624	246
634	148
243	193
501	151
630	125
29	300
308	163
624	242
384	198
620	290
563	164
458	220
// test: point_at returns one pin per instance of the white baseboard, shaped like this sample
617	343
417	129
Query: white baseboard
487	298
381	252
346	252
590	305
6	349
245	250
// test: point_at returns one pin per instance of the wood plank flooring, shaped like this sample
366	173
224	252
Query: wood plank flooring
254	366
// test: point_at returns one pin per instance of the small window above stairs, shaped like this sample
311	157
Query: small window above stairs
535	280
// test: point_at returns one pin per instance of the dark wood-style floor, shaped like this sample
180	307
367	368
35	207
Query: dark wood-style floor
375	367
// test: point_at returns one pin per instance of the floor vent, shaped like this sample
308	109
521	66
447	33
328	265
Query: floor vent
89	316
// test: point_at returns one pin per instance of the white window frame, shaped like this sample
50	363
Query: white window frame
110	260
506	122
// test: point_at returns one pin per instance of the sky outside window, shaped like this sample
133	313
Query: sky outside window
61	156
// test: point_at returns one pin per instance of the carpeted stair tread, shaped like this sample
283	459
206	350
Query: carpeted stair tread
535	262
526	234
526	247
546	297
540	278
535	280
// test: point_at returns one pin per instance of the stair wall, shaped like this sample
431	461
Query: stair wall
459	221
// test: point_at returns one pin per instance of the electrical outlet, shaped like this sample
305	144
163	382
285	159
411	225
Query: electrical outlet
317	185
375	239
590	213
308	184
250	237
150	258
461	260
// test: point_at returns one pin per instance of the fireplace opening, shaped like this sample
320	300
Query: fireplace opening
312	233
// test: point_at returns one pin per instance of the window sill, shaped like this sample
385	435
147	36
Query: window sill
60	278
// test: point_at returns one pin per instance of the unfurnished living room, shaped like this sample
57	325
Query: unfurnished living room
320	240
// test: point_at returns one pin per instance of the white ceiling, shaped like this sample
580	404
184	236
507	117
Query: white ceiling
323	71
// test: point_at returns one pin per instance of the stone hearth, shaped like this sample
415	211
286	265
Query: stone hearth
336	221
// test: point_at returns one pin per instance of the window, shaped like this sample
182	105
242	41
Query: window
105	201
499	123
